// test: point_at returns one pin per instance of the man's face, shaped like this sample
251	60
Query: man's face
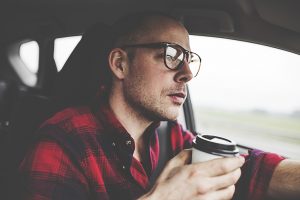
150	88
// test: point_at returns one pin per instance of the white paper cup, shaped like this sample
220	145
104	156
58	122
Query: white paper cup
207	147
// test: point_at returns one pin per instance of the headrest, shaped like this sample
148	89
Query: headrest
86	70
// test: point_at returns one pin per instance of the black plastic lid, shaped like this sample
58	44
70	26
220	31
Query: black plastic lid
215	144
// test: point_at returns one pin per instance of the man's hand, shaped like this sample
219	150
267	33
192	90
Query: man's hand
211	180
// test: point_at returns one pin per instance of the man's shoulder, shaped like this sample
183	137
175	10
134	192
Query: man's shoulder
72	118
74	128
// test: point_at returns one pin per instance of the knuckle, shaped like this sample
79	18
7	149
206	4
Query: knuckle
202	187
225	166
193	171
230	191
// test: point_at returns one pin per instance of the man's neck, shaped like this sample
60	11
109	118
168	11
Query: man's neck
133	122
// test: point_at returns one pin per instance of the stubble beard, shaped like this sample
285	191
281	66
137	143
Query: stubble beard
148	106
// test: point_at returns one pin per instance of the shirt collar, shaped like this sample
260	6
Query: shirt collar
123	144
118	133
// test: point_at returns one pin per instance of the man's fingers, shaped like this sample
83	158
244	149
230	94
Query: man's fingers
226	180
218	166
213	179
223	194
211	184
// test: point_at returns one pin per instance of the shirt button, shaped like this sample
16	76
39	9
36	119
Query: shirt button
128	142
123	167
113	144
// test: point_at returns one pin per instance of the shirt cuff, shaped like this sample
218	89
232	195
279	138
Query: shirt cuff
256	175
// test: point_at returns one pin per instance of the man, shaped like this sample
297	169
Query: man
110	150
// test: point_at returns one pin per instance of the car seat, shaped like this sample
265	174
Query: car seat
22	109
28	113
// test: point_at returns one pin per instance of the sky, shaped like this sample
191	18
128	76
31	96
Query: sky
239	75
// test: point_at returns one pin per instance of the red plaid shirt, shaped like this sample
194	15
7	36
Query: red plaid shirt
83	154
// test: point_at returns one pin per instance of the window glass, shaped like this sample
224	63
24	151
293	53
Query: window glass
249	93
63	48
29	53
24	58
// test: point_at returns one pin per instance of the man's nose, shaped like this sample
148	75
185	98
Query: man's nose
184	74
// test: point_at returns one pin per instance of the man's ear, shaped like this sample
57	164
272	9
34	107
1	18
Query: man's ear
118	62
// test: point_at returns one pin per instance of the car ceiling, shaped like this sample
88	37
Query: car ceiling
270	22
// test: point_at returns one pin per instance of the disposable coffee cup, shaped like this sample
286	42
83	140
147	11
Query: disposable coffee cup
208	147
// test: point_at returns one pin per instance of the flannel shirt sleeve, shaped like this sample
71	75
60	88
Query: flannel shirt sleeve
49	173
256	175
180	138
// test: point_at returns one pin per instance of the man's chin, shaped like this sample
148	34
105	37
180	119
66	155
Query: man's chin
170	115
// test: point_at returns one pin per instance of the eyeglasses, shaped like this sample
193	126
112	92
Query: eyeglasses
174	55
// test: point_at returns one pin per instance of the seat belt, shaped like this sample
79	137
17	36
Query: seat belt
164	150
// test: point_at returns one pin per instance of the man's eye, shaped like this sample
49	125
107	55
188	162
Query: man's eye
170	58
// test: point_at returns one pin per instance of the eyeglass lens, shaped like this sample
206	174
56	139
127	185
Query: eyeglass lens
174	58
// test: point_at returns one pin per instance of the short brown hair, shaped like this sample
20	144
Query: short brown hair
128	28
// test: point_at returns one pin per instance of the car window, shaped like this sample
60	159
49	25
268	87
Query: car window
24	58
249	93
29	53
63	47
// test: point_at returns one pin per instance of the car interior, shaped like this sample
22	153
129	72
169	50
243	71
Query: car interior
27	98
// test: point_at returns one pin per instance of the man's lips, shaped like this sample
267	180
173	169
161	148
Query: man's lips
177	97
178	94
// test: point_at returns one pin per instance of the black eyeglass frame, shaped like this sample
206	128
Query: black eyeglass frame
164	45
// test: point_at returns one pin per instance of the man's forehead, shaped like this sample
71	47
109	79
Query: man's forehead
162	29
